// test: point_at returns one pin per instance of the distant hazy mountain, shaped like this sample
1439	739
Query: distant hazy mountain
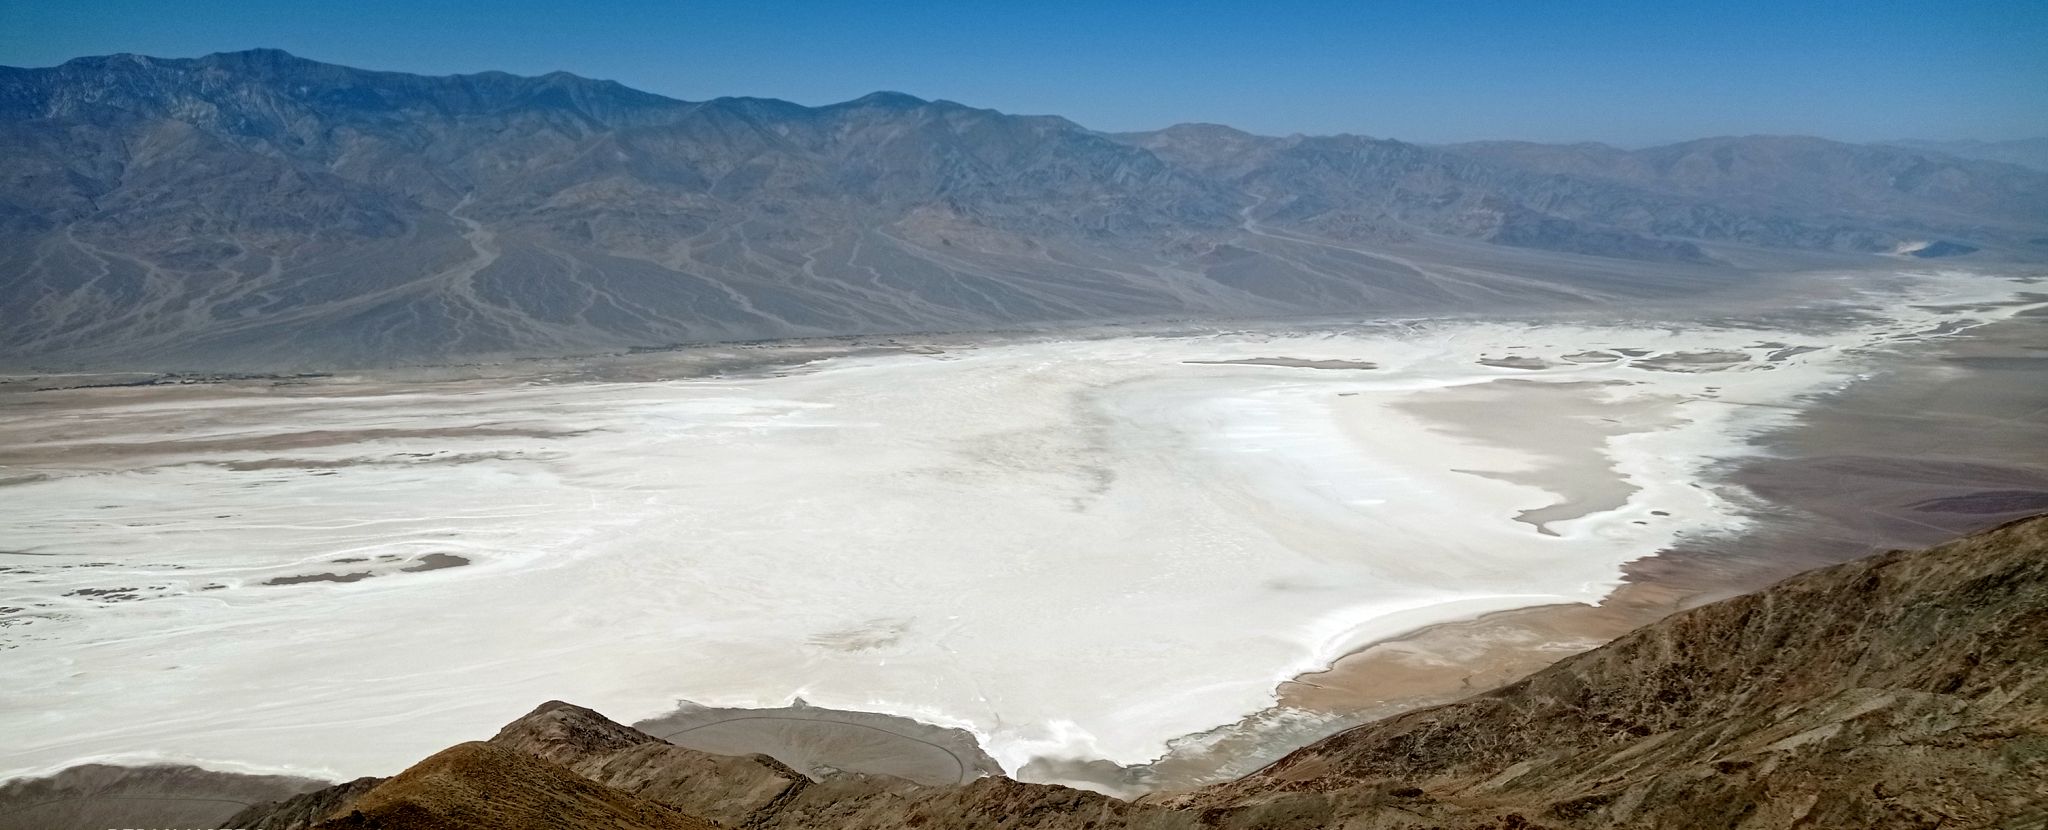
1810	179
255	209
2025	152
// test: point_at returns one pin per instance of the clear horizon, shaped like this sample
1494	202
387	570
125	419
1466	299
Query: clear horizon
1623	74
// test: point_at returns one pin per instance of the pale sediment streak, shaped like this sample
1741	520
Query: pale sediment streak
1081	548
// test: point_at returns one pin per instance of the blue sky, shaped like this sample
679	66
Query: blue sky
1623	72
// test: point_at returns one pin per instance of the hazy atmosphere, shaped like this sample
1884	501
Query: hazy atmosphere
1626	73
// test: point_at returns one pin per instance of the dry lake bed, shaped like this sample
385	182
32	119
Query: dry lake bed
1078	550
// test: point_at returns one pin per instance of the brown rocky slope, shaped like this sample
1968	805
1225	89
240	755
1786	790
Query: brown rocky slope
1904	690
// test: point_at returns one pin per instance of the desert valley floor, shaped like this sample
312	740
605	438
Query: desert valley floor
1086	547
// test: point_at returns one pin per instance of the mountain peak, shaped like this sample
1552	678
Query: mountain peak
888	99
260	52
565	77
1206	128
265	58
241	57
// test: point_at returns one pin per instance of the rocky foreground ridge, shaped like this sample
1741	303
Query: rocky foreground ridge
1904	690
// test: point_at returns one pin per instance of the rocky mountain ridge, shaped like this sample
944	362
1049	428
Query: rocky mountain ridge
255	210
2025	152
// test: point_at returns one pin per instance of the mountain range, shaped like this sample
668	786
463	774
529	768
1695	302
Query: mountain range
2025	152
258	210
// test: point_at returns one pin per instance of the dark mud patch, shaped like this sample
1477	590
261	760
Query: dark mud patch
435	562
1516	362
1792	351
1592	357
817	741
109	594
357	576
1707	361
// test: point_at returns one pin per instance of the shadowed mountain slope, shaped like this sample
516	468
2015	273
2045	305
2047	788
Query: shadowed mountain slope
2025	152
255	199
255	210
1798	176
1661	203
1904	690
482	785
106	795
